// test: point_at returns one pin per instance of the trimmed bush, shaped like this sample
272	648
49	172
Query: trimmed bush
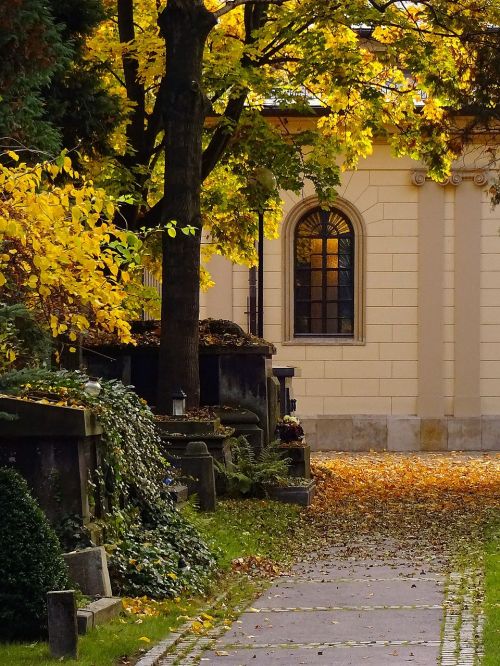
31	563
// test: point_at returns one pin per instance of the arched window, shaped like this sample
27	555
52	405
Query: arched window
324	275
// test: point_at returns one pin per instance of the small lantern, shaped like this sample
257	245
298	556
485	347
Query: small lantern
178	403
92	387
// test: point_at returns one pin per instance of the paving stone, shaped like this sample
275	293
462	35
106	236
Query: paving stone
312	594
328	626
417	655
332	570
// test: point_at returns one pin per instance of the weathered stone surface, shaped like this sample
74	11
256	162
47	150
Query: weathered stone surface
408	592
403	433
198	466
309	426
88	568
333	434
373	655
490	433
63	632
464	434
302	495
369	433
98	612
433	435
328	626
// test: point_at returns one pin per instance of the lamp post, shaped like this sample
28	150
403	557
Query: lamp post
260	278
263	183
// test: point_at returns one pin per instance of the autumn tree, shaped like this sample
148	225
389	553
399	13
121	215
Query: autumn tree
198	76
63	261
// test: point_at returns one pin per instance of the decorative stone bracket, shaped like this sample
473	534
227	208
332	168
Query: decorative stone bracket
478	176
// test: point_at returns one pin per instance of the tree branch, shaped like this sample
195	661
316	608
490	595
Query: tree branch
232	4
255	17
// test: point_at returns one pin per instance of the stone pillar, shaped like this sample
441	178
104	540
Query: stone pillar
198	465
63	628
467	401
430	401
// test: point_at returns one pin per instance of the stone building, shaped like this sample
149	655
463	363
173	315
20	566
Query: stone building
387	306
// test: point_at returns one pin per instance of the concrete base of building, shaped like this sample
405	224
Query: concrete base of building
360	432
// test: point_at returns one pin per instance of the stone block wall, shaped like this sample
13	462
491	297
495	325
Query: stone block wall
402	433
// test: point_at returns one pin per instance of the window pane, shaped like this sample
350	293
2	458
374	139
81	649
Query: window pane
346	326
345	261
332	246
302	309
345	278
316	326
303	252
302	278
324	274
316	310
332	310
332	326
316	278
316	246
332	278
332	261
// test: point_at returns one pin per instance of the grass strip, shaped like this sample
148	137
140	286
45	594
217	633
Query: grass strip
491	635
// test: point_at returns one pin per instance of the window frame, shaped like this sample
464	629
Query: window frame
298	213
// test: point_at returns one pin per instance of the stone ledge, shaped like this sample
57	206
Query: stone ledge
36	419
98	612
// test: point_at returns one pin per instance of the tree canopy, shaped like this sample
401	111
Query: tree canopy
200	78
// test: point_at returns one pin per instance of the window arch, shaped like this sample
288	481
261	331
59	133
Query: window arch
324	266
324	274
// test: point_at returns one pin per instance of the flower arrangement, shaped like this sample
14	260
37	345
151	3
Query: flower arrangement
289	430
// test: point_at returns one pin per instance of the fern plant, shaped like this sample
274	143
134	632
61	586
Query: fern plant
246	473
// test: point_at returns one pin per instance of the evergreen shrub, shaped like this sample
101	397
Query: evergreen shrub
31	563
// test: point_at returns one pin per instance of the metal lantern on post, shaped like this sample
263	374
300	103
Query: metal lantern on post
179	403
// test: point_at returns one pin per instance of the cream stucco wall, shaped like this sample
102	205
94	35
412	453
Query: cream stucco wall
431	291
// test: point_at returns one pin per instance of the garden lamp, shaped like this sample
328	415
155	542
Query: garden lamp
92	387
178	403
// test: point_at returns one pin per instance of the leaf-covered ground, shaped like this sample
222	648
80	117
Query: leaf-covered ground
438	504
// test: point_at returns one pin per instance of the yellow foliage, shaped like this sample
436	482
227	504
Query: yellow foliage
55	252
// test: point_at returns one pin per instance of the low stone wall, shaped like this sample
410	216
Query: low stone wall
56	449
402	433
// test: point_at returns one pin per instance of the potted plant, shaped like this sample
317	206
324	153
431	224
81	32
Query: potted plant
292	441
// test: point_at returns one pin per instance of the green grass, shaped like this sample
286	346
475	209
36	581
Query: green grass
238	528
492	598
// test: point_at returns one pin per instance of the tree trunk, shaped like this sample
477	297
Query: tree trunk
185	25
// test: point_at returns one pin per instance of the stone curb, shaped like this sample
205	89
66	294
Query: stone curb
153	656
